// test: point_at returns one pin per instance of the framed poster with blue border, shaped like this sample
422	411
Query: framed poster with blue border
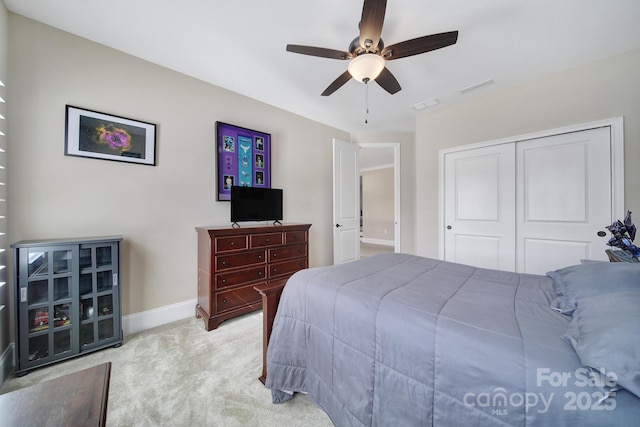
243	158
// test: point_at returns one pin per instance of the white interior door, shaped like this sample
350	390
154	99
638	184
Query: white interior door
479	199
564	199
346	202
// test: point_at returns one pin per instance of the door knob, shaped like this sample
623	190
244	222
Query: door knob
601	233
448	227
338	225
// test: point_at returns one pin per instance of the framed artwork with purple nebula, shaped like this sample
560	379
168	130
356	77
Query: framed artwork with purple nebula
105	136
244	158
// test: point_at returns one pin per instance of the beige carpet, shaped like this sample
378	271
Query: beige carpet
181	375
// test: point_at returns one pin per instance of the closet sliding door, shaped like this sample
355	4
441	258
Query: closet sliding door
563	199
479	207
531	205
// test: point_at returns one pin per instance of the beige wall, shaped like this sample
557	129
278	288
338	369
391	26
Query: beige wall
378	204
600	90
407	181
154	208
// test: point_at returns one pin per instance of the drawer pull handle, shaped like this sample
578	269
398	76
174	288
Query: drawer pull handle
260	273
224	262
296	237
275	255
268	240
224	300
275	270
224	280
301	251
232	244
301	265
259	256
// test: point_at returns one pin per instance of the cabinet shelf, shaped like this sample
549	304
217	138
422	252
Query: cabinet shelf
67	299
38	305
107	267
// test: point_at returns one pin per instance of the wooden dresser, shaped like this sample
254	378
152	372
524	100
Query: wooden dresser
231	261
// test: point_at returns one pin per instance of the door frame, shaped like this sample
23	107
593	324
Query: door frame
395	146
616	125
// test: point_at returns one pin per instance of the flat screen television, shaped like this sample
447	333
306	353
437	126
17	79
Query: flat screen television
256	204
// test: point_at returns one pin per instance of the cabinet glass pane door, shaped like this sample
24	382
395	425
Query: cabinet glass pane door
47	298
99	315
67	299
38	263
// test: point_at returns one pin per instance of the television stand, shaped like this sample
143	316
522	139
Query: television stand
232	261
236	225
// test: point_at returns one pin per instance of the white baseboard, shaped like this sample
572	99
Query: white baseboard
378	242
130	324
7	362
158	316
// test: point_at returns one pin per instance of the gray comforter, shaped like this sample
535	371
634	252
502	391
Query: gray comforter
404	340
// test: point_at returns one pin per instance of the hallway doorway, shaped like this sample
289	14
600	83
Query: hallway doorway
379	171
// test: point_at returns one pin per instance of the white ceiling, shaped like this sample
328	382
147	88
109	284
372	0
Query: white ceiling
240	45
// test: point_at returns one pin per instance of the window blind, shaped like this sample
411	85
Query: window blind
3	206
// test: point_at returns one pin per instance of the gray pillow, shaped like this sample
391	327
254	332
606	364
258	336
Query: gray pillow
605	333
578	281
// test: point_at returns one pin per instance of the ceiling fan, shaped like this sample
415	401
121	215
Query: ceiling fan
368	53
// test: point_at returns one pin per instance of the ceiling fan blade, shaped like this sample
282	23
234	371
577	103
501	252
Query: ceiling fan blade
388	82
419	45
318	51
371	23
337	83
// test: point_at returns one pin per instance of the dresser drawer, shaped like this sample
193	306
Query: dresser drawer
240	277
235	298
288	267
262	240
233	243
287	252
295	237
239	260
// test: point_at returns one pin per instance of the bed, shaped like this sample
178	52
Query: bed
398	339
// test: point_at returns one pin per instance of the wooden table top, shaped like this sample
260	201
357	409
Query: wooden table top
77	399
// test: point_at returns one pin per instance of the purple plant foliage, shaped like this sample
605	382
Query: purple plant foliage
623	234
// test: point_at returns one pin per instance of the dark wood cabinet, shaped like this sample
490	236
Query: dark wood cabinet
67	298
77	399
231	261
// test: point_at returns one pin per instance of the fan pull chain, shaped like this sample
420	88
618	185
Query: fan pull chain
366	100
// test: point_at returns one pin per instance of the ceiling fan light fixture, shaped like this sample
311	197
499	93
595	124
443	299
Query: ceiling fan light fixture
366	67
368	54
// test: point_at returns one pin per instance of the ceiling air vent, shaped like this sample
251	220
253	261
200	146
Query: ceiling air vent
477	86
425	104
